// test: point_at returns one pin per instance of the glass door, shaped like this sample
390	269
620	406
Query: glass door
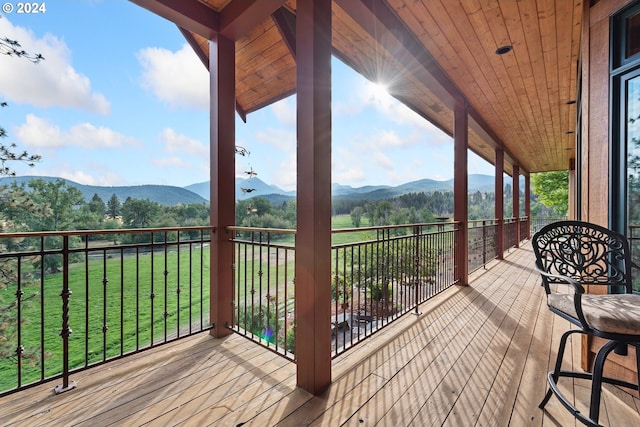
630	112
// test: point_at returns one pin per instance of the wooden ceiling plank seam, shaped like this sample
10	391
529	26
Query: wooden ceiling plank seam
410	12
285	21
537	91
551	38
529	19
563	13
512	23
548	40
257	65
408	16
430	33
189	14
240	17
270	75
262	37
485	35
471	58
518	131
497	139
515	30
575	57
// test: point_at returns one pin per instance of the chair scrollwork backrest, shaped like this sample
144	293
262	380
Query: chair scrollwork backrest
585	252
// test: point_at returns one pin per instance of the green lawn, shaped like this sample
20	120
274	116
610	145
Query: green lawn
106	295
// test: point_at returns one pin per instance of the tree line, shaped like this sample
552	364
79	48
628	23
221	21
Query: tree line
43	205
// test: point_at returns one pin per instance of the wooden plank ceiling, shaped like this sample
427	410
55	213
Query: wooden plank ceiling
430	54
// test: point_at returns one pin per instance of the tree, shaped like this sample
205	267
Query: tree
60	198
16	203
138	213
97	206
8	152
356	216
552	189
113	207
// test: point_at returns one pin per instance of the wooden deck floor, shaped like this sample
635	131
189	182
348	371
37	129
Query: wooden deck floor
477	355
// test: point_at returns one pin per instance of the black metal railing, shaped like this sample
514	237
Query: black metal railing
537	222
388	274
524	227
264	294
509	233
72	300
483	242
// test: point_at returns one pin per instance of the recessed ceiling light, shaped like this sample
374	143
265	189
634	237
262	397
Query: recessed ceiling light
503	49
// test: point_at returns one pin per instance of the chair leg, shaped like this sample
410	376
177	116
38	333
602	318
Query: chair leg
596	384
558	366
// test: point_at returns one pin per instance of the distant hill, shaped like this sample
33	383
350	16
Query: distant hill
162	194
258	189
199	192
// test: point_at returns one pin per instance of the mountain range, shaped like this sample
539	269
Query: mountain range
254	187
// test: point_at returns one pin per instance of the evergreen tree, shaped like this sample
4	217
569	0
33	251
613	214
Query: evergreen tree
113	207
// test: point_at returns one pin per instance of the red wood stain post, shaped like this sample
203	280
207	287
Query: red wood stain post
460	190
222	161
313	237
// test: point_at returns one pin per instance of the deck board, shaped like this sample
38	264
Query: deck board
477	355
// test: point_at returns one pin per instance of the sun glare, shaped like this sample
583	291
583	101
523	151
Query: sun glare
380	90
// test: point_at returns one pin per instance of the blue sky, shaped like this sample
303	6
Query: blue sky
121	99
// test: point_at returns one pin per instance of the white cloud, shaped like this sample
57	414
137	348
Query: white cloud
178	143
285	111
39	132
177	78
99	174
281	139
382	161
50	83
372	95
285	178
171	162
347	167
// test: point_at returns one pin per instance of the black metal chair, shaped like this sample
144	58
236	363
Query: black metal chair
580	254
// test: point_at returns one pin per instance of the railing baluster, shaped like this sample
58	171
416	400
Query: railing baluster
66	330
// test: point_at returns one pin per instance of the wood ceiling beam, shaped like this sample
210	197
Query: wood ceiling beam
286	23
383	25
191	15
240	17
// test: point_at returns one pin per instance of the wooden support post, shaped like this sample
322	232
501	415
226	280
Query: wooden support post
516	202
222	171
460	190
313	238
499	202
